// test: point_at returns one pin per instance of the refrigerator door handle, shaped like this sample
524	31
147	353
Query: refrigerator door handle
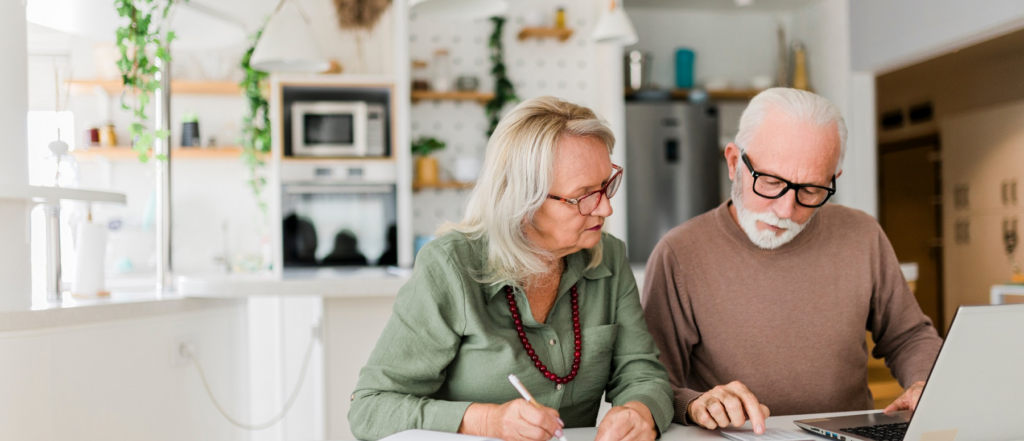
672	151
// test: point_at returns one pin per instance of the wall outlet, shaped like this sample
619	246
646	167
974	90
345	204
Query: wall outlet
180	350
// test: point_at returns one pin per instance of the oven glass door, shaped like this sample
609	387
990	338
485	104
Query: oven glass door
339	225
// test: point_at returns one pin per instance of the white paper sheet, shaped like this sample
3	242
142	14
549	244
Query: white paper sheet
769	435
428	435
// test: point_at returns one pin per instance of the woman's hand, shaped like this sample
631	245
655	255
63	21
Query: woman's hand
516	420
629	422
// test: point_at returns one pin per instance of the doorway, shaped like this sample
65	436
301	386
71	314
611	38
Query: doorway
910	212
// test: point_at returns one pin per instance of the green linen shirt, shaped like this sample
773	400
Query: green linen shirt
451	342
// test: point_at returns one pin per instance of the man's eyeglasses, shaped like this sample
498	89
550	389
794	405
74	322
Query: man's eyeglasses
589	202
773	187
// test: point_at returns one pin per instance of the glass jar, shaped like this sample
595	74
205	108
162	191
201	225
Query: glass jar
442	77
420	75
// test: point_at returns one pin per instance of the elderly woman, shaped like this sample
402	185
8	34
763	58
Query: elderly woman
526	284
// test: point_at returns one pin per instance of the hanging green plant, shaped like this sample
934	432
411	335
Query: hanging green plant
504	91
143	45
256	124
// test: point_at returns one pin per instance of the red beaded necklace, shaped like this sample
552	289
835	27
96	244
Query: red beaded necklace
509	294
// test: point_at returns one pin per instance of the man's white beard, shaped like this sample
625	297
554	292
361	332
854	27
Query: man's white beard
764	239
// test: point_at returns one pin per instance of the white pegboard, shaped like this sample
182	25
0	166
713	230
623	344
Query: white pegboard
535	66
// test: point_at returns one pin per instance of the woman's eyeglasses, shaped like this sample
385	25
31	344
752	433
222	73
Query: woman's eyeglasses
590	201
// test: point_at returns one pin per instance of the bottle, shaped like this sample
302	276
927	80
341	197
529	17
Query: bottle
560	18
800	67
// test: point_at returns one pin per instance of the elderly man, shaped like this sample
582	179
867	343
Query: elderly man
762	303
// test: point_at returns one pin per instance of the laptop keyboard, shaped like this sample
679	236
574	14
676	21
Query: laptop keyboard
881	432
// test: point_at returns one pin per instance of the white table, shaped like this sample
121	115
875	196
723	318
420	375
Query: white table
679	432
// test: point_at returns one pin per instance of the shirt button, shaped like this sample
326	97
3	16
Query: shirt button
558	386
551	342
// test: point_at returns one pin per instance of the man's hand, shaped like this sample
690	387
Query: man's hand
730	404
907	401
629	422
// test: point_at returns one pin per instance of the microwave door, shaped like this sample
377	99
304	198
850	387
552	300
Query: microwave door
329	129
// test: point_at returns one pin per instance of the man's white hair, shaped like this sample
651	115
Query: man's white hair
518	171
799	104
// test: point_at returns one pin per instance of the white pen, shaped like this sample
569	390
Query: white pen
527	396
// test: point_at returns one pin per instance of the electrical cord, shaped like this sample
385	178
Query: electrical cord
287	405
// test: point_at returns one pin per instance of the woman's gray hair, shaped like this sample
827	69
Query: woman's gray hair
799	104
518	171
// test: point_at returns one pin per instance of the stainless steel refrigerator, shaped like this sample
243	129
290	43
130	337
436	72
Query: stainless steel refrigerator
672	161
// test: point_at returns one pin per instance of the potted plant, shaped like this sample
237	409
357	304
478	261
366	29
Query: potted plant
426	166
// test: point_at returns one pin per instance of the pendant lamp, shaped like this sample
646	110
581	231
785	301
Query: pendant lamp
614	27
288	44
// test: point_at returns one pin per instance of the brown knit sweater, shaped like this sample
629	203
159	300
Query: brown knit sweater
789	323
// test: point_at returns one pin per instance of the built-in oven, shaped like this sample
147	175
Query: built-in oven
338	214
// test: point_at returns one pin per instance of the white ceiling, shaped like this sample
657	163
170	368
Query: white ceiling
97	19
722	5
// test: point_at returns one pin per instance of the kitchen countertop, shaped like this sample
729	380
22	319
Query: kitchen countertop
313	282
132	299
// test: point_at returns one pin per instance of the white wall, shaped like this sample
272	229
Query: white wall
115	380
888	34
14	254
736	45
824	27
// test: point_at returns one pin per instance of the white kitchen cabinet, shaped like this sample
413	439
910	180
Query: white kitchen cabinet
982	151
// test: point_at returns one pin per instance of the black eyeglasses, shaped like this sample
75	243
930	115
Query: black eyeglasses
589	202
773	187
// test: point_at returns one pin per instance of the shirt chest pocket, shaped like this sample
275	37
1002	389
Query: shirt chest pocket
598	345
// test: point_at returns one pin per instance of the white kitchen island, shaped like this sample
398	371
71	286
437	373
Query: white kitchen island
347	308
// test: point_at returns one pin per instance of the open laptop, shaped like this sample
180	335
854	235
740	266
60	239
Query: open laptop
975	390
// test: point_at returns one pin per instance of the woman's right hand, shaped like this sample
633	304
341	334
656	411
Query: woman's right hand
516	420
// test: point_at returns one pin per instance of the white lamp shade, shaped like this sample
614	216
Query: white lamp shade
288	45
458	9
614	27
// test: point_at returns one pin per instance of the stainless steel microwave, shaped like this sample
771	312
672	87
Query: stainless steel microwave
338	129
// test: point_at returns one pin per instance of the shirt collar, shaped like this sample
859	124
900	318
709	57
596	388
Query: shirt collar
575	269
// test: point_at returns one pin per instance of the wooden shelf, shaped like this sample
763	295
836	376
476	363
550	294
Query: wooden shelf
178	87
443	185
561	34
719	94
125	152
480	97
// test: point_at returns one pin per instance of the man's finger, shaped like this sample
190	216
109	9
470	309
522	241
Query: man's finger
703	417
750	405
765	411
717	411
915	396
896	405
734	408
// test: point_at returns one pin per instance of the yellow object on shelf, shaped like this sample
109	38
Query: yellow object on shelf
426	171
